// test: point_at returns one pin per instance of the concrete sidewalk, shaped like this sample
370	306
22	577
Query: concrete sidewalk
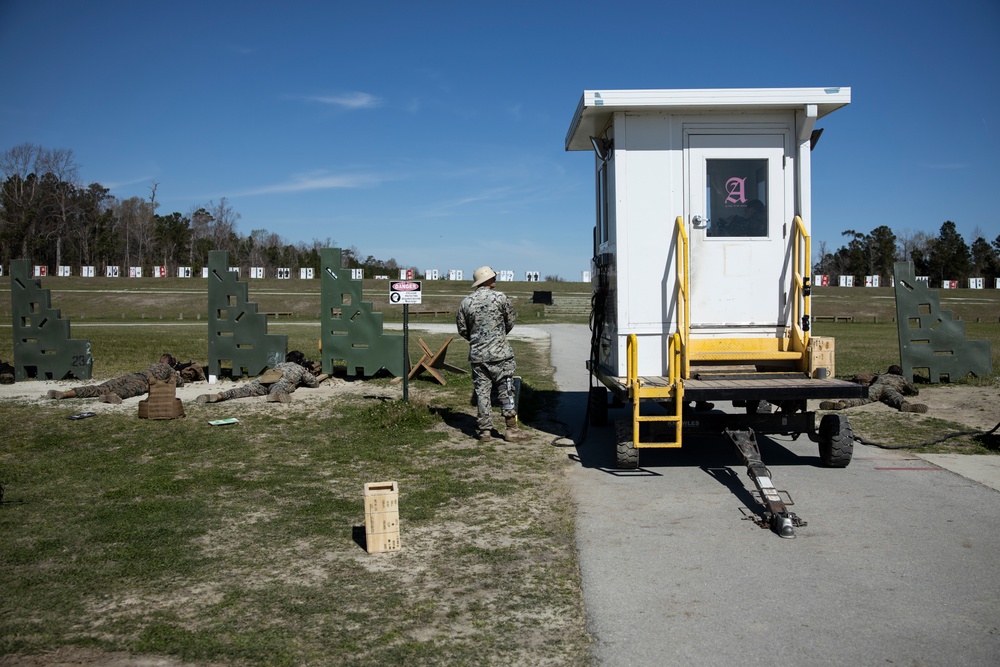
982	468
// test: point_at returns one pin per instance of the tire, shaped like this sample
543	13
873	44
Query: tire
836	441
626	455
597	406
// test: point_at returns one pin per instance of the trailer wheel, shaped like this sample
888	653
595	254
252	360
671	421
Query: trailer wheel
626	455
836	441
598	406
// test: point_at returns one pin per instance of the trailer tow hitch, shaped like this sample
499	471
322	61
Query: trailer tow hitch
776	513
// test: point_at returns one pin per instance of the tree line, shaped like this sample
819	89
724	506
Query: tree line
48	216
946	256
51	218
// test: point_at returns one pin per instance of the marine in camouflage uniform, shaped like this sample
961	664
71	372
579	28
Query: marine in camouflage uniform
293	374
890	388
6	373
124	386
191	372
484	318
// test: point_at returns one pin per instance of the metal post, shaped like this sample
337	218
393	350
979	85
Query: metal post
406	353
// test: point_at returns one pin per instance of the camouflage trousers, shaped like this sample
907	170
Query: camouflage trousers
126	386
879	392
486	375
255	388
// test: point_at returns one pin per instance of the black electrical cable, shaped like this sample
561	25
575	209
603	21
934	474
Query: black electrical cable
598	304
928	444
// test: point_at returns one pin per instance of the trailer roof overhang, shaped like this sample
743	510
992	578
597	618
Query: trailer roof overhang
596	107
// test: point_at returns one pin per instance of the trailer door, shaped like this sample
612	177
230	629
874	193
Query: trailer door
737	206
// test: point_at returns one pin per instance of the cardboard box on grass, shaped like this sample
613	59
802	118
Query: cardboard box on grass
381	517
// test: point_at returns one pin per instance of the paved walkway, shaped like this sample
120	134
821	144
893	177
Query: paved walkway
899	562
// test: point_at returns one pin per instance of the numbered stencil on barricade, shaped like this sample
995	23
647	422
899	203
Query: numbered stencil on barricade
43	348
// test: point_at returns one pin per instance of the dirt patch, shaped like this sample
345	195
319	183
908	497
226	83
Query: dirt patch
975	407
36	390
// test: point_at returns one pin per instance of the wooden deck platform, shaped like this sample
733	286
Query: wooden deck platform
753	386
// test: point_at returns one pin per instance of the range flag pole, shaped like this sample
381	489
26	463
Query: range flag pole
404	292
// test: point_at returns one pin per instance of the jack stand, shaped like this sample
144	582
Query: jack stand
776	514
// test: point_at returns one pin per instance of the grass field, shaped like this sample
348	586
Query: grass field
873	347
240	544
861	319
106	299
870	341
175	299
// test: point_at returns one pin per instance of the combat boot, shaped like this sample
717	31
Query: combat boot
208	398
514	432
55	393
484	435
913	407
279	398
113	399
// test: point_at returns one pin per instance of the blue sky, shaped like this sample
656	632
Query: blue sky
432	132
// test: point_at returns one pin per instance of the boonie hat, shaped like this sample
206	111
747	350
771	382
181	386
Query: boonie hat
481	275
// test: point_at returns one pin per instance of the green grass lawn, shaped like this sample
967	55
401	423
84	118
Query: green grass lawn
872	347
242	544
176	299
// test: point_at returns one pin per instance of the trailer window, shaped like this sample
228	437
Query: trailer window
736	193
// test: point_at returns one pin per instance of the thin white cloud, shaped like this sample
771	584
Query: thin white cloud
356	100
316	181
945	165
450	207
114	185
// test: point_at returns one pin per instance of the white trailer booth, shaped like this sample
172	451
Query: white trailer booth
701	267
734	167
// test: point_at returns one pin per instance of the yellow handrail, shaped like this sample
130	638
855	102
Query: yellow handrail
632	366
801	277
674	354
683	301
636	392
677	345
